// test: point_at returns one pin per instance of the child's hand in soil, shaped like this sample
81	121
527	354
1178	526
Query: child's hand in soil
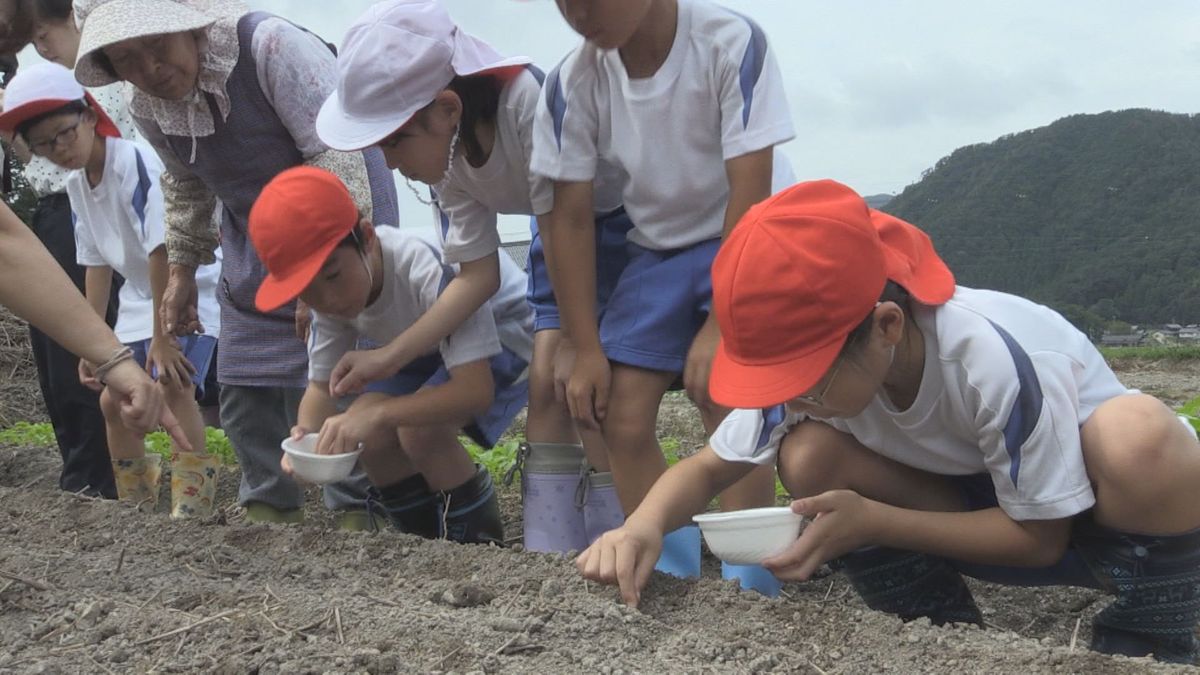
624	556
167	356
356	369
841	521
349	431
87	376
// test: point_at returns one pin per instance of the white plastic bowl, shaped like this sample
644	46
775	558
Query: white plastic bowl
315	468
749	536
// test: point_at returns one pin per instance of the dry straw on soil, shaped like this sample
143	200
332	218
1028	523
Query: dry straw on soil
20	398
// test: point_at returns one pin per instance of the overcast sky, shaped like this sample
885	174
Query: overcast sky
881	90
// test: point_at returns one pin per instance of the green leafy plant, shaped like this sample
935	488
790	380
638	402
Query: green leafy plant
25	433
498	460
1190	411
215	441
41	434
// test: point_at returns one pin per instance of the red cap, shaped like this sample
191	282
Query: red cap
297	221
799	272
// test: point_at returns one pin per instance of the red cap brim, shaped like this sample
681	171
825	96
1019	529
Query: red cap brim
739	385
277	291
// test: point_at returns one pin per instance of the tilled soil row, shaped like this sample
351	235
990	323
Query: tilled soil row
91	586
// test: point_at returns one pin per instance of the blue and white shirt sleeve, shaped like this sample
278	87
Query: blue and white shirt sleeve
1028	422
753	436
754	107
566	127
427	275
146	200
328	340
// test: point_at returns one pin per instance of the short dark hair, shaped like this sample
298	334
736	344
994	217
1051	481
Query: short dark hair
480	96
55	10
892	292
81	106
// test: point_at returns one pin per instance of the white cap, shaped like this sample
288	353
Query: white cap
394	60
45	87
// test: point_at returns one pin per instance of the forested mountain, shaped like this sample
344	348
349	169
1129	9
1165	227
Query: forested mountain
1095	215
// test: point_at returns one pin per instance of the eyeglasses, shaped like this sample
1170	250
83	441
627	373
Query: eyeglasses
64	137
818	400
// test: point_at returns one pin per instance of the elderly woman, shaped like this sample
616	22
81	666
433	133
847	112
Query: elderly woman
228	98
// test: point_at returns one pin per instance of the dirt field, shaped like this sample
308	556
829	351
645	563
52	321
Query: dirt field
98	587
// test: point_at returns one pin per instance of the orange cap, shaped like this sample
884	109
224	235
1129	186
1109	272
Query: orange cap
799	272
297	221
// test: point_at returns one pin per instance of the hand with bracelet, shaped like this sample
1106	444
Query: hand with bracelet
142	406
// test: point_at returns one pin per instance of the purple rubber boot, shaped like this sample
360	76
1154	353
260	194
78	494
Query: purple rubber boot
601	508
550	474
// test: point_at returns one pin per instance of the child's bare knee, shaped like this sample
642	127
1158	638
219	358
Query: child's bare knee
627	431
1132	437
808	459
424	442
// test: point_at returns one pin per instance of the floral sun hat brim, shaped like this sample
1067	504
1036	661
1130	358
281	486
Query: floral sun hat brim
106	22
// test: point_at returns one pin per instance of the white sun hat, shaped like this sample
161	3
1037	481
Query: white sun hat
106	22
394	61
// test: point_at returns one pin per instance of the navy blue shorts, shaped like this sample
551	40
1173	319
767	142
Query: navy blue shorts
659	304
511	391
199	350
1071	570
612	230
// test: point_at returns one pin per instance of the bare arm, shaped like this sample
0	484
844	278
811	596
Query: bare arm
159	275
36	289
466	394
476	282
844	521
569	240
315	407
988	536
97	285
686	489
749	178
626	556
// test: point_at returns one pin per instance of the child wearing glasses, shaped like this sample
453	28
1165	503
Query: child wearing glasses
930	430
117	209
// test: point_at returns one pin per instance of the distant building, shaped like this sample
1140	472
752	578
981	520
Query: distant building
1189	333
1122	339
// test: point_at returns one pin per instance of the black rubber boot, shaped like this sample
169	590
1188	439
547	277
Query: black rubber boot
410	506
1157	583
471	511
910	585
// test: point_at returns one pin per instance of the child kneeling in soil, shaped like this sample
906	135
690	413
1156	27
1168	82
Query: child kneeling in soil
930	430
118	211
370	283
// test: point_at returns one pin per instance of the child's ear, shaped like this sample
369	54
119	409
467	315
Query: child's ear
367	229
89	117
889	321
446	110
